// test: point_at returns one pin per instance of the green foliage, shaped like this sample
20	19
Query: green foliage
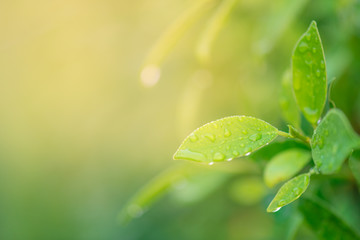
354	163
325	224
289	192
309	74
285	165
287	101
333	141
329	145
226	139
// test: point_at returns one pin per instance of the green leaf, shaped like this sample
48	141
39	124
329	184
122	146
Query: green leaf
175	31
287	101
309	74
325	224
289	192
285	165
354	163
213	28
332	142
152	191
248	190
277	22
226	139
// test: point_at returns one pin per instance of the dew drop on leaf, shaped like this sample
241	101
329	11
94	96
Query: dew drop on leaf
219	156
211	137
255	137
193	138
227	133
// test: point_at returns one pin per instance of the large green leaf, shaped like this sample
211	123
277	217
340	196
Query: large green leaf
325	224
285	165
332	142
226	139
289	192
287	101
354	163
309	74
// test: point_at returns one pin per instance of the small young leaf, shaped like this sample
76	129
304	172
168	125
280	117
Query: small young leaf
285	165
325	224
332	142
289	192
287	101
309	74
354	163
226	139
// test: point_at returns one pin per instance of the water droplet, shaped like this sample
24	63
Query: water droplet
135	210
247	154
318	121
219	156
189	155
297	84
335	148
322	64
318	73
320	143
235	153
227	133
308	36
211	163
255	137
244	132
277	209
314	50
210	136
193	137
230	159
248	149
297	191
303	47
242	145
310	111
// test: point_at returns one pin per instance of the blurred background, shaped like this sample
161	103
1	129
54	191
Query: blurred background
96	96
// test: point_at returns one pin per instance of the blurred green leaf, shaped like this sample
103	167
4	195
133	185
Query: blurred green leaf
152	191
289	192
226	139
333	141
325	224
309	74
285	165
247	190
213	28
277	23
176	30
354	163
198	186
287	101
